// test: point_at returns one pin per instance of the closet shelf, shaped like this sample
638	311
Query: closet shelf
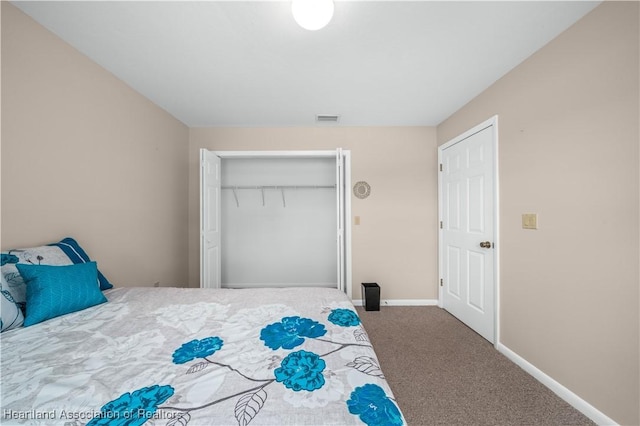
234	188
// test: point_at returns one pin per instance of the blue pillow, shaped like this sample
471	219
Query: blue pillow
57	290
72	249
64	252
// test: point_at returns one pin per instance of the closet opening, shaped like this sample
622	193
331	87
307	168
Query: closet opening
275	219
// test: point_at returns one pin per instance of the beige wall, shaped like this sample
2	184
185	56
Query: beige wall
84	155
395	244
568	150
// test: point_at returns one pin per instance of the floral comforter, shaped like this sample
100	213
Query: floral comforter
169	356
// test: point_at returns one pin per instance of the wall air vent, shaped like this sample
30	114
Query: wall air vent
327	118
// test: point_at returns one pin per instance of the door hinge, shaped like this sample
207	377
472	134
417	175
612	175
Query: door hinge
440	166
441	282
441	226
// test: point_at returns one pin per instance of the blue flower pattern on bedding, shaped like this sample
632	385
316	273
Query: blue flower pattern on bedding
8	258
299	371
197	349
290	332
373	406
344	317
133	409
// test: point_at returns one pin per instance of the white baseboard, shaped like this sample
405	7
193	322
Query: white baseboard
574	400
401	302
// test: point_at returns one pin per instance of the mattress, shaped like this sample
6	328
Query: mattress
173	356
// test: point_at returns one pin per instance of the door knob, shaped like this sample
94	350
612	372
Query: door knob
485	244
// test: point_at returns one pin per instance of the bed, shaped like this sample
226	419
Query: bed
178	356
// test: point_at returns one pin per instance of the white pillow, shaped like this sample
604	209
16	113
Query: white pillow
10	314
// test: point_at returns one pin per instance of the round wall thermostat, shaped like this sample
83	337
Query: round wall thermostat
361	189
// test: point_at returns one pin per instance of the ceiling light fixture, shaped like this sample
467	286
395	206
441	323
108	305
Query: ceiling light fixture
312	14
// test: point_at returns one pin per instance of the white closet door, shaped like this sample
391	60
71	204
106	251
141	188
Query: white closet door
210	270
340	252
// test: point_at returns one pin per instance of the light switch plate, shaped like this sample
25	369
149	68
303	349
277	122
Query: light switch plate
529	221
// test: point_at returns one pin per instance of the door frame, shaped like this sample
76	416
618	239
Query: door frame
493	121
344	230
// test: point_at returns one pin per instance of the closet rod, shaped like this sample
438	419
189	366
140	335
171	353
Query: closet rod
234	187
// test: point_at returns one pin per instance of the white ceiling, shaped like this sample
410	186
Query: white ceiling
377	63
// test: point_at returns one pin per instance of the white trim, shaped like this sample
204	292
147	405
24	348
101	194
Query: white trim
401	302
275	154
346	155
574	400
200	215
493	121
278	285
440	265
496	227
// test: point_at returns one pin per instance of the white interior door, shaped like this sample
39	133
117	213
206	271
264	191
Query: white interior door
467	237
210	271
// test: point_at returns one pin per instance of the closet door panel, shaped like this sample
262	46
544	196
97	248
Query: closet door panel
210	184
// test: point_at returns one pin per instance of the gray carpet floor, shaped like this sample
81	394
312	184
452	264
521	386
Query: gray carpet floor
443	373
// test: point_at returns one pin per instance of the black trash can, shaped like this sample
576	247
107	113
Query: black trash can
371	296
